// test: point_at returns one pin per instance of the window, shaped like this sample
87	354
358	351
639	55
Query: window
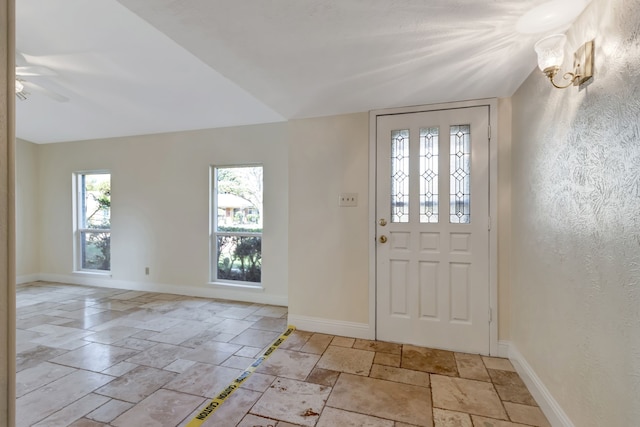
93	222
236	224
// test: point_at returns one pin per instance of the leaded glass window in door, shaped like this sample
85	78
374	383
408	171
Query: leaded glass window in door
429	175
460	178
400	175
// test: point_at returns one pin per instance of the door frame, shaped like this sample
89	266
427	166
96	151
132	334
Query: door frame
492	104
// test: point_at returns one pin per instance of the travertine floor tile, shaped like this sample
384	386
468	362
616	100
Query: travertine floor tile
515	394
444	418
488	422
251	420
31	379
471	396
505	377
317	344
332	417
378	346
112	335
255	337
95	357
73	412
429	360
164	408
323	377
498	363
109	411
271	311
197	352
296	340
292	401
343	341
248	351
231	412
34	356
179	333
136	384
384	399
530	415
271	324
387	359
119	369
43	402
83	422
470	366
203	380
289	364
348	360
159	356
231	326
400	375
259	382
238	362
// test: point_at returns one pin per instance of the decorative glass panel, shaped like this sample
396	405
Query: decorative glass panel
460	170
429	175
400	175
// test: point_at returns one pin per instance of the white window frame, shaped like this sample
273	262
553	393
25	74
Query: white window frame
78	230
214	233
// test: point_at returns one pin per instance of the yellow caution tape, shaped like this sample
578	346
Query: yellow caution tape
235	384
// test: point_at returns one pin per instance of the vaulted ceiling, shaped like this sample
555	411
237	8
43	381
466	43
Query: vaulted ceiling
130	67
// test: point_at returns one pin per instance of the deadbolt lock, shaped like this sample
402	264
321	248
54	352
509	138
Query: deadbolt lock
383	239
382	222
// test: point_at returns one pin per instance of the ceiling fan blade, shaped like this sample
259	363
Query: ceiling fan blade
34	88
34	70
20	59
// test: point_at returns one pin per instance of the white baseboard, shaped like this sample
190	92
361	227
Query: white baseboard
332	327
27	278
206	291
503	348
551	408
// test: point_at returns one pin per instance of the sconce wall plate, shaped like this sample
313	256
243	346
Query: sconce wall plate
583	63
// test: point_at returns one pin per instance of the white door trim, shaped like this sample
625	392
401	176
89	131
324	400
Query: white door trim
493	205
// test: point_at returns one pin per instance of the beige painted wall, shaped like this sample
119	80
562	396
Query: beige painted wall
160	205
317	252
27	223
504	216
576	230
328	244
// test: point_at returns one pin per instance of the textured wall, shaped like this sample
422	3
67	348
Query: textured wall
576	225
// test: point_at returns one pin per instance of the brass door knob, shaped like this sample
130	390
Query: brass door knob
382	222
383	239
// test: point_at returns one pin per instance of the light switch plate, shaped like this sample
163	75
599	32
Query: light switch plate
348	200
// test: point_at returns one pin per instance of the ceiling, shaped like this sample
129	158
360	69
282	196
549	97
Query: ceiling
133	67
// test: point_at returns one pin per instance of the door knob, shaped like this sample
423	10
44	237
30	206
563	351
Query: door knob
383	239
382	222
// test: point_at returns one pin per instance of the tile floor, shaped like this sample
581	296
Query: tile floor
91	357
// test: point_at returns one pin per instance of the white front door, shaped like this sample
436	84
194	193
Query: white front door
432	214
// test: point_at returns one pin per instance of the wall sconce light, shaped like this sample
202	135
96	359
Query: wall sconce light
550	52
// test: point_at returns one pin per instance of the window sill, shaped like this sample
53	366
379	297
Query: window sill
92	273
237	286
